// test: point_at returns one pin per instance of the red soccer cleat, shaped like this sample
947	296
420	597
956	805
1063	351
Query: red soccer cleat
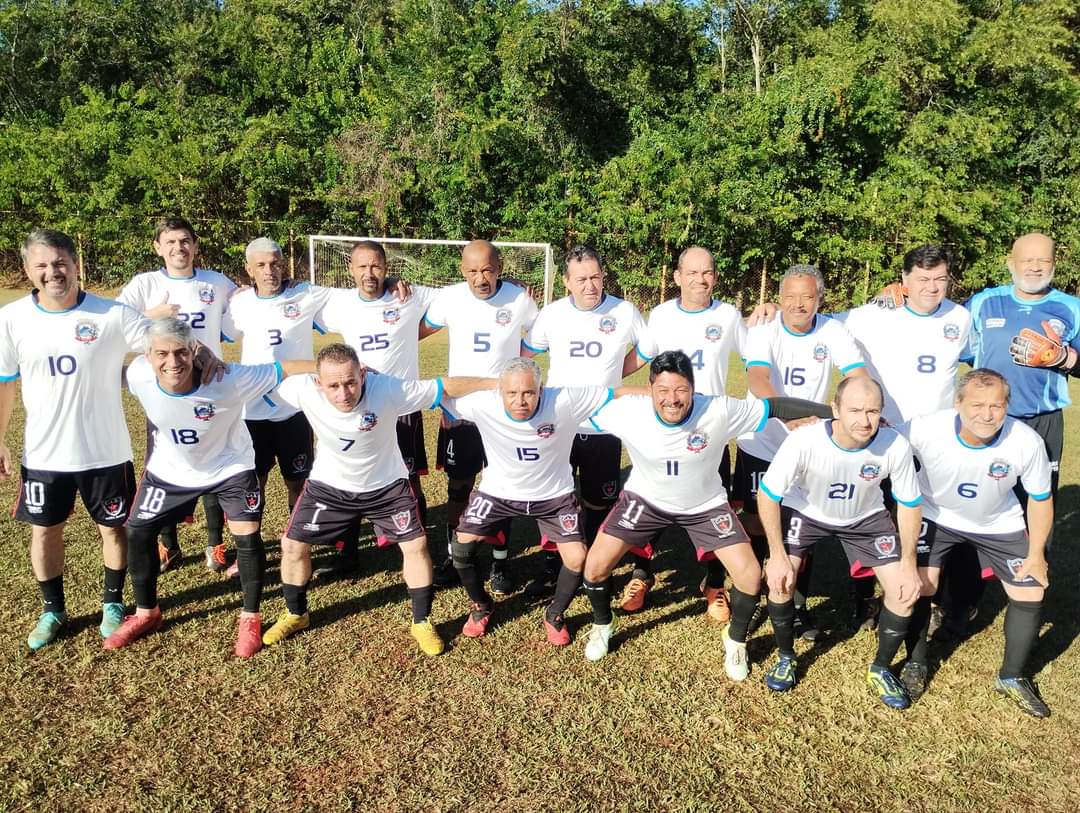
133	628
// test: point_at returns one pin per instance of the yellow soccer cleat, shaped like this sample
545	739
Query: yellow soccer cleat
428	638
286	625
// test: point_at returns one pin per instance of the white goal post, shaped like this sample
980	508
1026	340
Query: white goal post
428	262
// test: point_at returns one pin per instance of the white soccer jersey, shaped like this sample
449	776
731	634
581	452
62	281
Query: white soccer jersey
676	468
800	366
913	356
200	438
529	460
70	364
970	488
707	336
587	348
839	486
357	450
484	333
202	298
275	328
384	332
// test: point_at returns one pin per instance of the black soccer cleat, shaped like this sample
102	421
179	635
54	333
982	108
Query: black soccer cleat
1026	694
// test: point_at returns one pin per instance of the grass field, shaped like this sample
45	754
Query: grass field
350	715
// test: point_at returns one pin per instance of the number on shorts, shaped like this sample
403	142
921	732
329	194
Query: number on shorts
35	493
794	528
632	513
755	481
479	508
153	500
319	508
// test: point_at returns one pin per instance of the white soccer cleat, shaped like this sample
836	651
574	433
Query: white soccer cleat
599	637
736	663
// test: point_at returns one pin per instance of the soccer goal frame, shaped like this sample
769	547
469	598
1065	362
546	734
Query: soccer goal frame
548	251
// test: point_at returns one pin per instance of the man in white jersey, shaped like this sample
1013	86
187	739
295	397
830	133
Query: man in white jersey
200	446
675	439
486	317
529	431
385	333
67	347
587	334
200	297
276	320
972	457
358	473
793	355
829	478
708	331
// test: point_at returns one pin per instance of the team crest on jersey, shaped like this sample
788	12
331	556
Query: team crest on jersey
299	462
885	546
114	507
204	412
568	523
951	331
253	499
503	316
368	421
724	524
608	324
391	315
999	470
869	471
713	333
402	520
546	431
821	352
290	310
206	294
697	441
609	488
1057	325
86	332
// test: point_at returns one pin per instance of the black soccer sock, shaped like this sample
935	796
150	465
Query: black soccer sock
599	594
350	542
143	566
782	616
802	580
52	594
715	573
760	546
464	554
892	630
295	596
742	610
251	561
565	587
594	518
215	520
500	558
642	567
168	537
421	500
421	599
552	564
918	627
114	586
1022	620
863	590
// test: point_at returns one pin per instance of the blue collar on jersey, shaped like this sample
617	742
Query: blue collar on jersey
78	302
966	445
678	304
1019	301
284	288
828	431
603	296
363	298
192	391
194	274
813	327
923	315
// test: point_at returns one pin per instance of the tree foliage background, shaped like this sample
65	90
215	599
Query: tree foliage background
839	132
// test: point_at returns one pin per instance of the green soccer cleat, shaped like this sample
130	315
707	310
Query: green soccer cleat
112	616
887	687
45	631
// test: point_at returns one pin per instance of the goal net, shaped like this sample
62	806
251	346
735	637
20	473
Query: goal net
435	263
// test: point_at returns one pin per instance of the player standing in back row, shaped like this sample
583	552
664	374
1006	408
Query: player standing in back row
486	317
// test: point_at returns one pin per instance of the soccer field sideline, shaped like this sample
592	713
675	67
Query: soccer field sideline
350	713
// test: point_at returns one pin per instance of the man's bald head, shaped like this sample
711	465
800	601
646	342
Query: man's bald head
858	387
481	264
696	257
696	277
1031	263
